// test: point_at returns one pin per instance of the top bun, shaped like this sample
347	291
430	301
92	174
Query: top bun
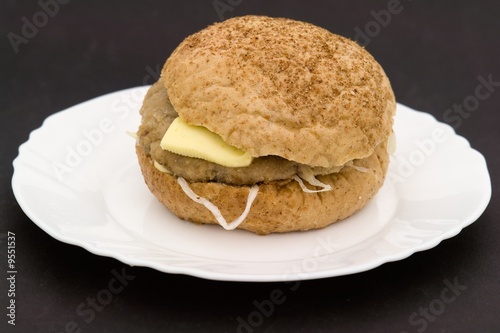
275	86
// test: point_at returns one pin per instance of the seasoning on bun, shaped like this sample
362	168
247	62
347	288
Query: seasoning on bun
274	124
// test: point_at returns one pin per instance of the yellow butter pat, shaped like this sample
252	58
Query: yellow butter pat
199	142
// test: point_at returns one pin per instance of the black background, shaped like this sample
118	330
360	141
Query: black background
433	52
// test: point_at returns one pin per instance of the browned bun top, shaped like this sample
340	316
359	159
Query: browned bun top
275	86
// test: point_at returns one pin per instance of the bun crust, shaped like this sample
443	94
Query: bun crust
280	206
274	86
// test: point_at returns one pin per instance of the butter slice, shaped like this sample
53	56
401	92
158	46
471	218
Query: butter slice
197	141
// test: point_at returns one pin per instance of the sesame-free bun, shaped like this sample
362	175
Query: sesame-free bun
280	206
275	86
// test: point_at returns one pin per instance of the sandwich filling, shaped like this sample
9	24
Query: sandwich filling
195	154
252	194
158	115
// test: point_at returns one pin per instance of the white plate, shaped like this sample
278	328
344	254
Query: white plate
78	179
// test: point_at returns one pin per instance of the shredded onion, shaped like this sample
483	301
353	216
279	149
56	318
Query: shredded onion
161	168
312	181
132	134
359	168
252	194
391	143
305	173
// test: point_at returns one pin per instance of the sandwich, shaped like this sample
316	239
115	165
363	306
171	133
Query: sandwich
269	125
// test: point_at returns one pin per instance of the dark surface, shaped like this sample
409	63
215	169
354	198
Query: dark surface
433	52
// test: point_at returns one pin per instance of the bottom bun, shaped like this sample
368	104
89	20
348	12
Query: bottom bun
280	206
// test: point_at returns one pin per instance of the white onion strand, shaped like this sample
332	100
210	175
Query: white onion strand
252	194
314	182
